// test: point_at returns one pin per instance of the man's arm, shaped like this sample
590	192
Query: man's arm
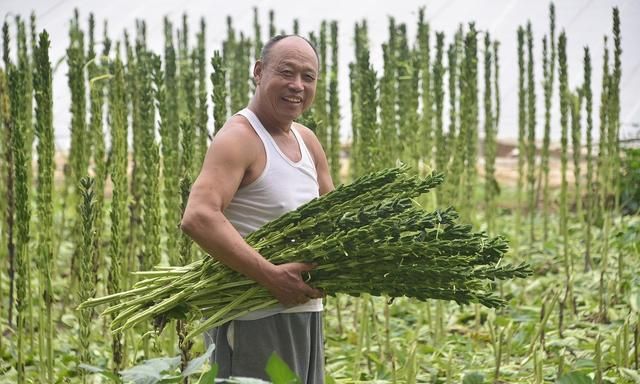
222	172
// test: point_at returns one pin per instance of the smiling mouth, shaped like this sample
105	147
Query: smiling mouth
293	100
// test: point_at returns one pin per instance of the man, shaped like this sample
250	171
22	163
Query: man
261	165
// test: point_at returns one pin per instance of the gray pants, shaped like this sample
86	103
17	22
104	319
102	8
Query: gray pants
295	337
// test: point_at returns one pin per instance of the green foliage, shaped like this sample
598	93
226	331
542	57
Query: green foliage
279	372
630	193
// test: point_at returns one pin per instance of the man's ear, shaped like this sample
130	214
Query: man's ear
257	72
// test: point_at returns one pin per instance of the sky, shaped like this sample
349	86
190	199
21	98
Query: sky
586	22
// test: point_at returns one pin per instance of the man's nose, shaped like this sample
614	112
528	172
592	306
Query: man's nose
296	83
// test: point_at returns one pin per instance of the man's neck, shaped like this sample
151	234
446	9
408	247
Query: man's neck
268	121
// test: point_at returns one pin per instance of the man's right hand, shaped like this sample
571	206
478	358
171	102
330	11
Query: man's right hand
286	284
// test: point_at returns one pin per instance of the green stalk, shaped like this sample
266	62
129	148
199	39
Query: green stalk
166	92
576	106
490	183
4	170
334	108
522	126
257	39
369	132
8	122
604	179
586	89
564	111
388	123
201	111
119	160
219	96
440	142
272	25
320	107
531	133
86	284
470	116
425	141
78	153
548	66
407	100
44	132
614	133
450	139
26	115
441	155
23	211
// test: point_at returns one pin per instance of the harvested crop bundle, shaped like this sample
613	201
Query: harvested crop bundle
366	237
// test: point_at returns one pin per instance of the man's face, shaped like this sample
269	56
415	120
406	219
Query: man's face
287	81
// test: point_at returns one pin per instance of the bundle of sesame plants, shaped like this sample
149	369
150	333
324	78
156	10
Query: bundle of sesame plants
366	237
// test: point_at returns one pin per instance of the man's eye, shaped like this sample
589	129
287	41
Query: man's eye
309	78
287	72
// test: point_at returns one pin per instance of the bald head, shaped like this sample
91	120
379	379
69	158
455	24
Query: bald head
267	49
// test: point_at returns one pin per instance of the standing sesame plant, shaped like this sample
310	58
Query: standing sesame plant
201	111
320	107
334	108
87	288
490	183
151	217
22	213
219	96
118	170
388	123
565	101
451	138
588	99
8	175
614	132
97	71
4	170
531	134
407	100
604	179
576	106
257	35
166	86
522	126
44	132
425	140
441	155
78	152
496	115
603	162
369	132
548	68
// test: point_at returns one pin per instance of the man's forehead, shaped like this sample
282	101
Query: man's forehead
292	45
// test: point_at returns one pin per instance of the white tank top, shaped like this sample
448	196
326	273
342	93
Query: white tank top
283	186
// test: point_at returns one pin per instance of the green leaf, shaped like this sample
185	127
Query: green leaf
195	364
279	372
102	371
631	374
150	371
473	378
210	376
575	377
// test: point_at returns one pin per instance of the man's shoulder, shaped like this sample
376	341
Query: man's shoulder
237	125
307	134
